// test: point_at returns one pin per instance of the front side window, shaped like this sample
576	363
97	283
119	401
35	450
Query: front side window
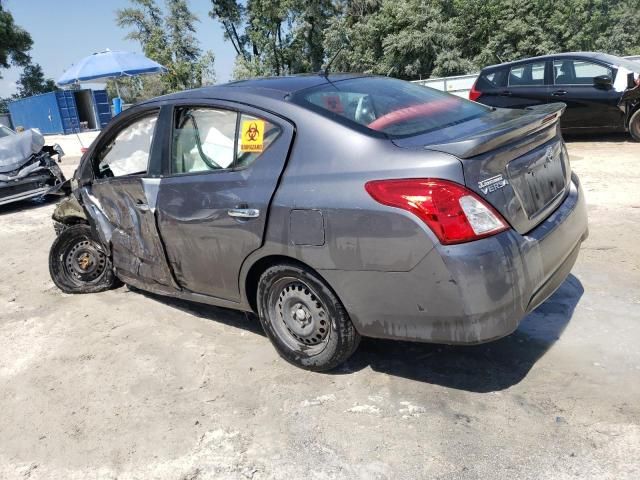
578	72
393	107
128	152
529	74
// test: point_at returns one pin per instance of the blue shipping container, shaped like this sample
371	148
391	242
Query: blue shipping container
53	112
63	111
102	106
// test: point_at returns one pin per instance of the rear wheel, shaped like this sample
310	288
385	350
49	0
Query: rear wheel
78	264
634	126
304	319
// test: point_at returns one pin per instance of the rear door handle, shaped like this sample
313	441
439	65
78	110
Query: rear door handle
243	212
559	93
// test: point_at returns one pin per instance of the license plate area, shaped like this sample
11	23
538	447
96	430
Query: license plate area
538	179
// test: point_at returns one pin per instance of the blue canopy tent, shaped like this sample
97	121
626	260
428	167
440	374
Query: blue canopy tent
110	64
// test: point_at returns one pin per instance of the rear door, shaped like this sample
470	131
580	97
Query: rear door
588	106
121	196
527	85
224	164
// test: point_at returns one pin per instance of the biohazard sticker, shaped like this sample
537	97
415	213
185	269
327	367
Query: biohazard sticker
252	136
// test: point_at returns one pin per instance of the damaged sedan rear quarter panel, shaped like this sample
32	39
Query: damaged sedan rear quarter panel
186	206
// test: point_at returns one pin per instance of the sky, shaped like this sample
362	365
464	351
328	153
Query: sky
65	31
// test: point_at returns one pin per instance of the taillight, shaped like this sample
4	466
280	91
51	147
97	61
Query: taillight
474	94
453	212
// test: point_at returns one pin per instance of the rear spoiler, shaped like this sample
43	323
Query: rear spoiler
533	119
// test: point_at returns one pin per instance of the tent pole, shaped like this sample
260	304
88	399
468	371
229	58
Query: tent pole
78	134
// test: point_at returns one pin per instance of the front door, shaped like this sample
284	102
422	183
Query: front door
120	200
213	204
588	106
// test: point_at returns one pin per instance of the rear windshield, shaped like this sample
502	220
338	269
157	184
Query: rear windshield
631	65
393	107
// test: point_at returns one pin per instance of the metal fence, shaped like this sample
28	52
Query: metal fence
458	85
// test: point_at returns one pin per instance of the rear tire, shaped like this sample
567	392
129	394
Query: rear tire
304	319
78	263
634	126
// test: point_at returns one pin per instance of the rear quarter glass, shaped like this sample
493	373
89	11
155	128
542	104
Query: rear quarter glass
387	106
492	79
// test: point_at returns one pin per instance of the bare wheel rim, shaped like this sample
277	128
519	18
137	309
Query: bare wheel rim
298	315
83	262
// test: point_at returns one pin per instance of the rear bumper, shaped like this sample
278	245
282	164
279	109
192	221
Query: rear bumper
468	293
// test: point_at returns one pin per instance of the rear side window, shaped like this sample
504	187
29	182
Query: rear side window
254	136
494	79
128	152
209	139
578	72
529	74
393	107
203	139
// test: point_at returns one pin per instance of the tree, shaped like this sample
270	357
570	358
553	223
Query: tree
403	38
32	82
275	37
15	42
168	38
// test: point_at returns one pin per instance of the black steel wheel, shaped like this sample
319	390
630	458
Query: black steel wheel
634	126
304	319
78	263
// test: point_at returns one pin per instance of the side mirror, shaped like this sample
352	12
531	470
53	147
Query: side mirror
603	81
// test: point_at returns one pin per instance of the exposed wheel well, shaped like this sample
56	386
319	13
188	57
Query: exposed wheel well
633	111
73	220
258	268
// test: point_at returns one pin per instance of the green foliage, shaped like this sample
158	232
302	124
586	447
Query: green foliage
401	38
168	37
417	38
275	37
15	42
32	82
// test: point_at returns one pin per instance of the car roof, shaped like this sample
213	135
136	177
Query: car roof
274	87
612	59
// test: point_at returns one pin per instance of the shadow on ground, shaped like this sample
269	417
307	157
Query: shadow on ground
479	368
232	318
602	137
30	204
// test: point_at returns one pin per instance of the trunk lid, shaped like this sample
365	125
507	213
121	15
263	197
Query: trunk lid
514	159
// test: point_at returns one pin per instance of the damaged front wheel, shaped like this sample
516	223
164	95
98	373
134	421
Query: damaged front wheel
78	264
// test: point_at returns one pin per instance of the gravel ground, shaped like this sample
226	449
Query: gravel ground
133	386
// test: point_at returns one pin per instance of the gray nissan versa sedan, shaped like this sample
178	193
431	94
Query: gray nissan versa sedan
333	206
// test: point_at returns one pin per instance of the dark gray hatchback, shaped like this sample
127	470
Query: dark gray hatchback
333	207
